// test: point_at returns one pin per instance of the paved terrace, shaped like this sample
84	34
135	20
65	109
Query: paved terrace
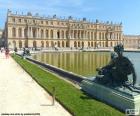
20	94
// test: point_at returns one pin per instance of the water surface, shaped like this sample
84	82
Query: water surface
83	63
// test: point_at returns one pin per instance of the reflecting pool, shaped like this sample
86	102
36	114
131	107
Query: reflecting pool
83	63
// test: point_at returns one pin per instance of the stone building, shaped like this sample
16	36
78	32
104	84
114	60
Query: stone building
131	41
1	32
44	32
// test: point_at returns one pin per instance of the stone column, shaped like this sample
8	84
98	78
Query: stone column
28	32
77	34
55	34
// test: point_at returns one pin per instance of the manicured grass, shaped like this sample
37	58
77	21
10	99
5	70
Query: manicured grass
73	99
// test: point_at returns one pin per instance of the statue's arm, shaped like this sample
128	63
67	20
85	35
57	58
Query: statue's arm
109	66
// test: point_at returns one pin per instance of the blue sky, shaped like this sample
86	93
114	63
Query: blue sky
125	11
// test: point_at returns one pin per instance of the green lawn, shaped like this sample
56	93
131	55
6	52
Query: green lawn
70	97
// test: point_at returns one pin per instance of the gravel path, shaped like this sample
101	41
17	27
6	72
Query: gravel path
20	94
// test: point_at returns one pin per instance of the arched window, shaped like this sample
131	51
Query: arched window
92	44
67	44
20	44
14	32
42	33
52	44
58	34
25	32
82	44
51	34
63	34
42	44
78	44
88	44
100	36
82	34
111	44
14	44
75	34
34	33
63	44
58	43
20	32
75	44
67	34
34	44
78	34
47	34
95	44
47	44
92	35
103	36
88	35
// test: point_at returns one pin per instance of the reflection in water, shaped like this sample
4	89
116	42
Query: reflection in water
82	63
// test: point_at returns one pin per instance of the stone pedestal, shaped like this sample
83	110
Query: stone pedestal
118	99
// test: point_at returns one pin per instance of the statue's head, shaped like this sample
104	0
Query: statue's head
119	49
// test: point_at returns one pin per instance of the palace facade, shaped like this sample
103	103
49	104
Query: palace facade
44	32
131	41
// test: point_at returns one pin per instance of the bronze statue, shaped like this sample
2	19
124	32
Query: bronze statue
117	71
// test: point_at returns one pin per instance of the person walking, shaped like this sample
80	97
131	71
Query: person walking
7	53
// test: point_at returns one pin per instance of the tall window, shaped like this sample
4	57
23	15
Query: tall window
100	36
47	34
63	34
14	32
20	44
20	32
34	32
19	20
25	32
92	35
75	34
34	44
42	33
67	34
88	35
51	34
47	44
75	44
13	20
42	44
58	34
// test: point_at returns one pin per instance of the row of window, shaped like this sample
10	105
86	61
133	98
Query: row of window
58	23
64	44
63	34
